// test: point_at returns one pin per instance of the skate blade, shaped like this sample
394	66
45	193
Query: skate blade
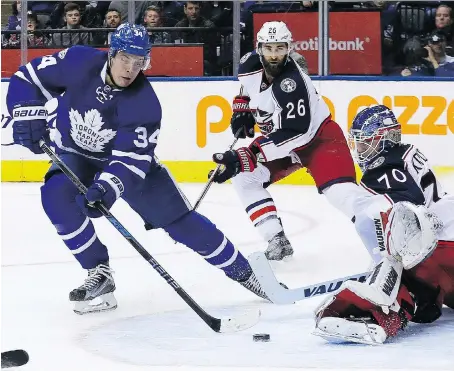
280	259
102	303
287	258
342	339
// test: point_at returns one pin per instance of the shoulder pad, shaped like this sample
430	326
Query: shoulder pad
250	62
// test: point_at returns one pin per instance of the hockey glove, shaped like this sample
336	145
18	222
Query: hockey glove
107	189
234	161
30	125
242	121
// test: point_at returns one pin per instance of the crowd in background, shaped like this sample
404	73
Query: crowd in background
417	37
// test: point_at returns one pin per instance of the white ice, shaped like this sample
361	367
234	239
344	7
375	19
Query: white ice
153	329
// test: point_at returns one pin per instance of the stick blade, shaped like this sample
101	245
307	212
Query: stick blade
14	358
264	273
241	322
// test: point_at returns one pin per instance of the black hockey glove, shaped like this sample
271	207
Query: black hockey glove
234	161
242	118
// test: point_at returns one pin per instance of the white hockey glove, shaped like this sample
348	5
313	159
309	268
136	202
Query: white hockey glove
411	233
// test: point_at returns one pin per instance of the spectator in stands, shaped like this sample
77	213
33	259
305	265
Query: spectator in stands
152	18
35	38
444	23
42	9
57	18
443	64
14	19
416	63
94	14
111	20
171	11
219	12
192	16
13	24
122	7
194	19
443	17
72	18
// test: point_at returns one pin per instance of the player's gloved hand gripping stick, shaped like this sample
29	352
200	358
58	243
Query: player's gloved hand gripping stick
239	323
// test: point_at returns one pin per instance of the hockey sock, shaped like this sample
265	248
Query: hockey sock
76	230
258	203
263	215
199	234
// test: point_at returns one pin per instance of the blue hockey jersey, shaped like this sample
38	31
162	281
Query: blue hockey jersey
117	127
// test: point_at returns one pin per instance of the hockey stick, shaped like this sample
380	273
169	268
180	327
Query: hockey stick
210	181
281	295
239	323
14	358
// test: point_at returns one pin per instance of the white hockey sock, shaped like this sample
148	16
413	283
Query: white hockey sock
258	202
263	215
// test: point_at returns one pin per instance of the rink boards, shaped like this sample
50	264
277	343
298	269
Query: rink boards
196	117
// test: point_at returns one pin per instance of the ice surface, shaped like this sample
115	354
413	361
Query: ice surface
154	329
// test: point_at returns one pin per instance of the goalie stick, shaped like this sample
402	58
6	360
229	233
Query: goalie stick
223	325
14	358
281	295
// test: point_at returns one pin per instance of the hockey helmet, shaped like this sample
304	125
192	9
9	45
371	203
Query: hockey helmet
274	32
374	129
132	39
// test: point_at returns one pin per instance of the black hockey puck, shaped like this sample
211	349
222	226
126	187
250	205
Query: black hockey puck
261	337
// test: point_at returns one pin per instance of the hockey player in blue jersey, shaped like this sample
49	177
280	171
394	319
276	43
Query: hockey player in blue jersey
103	117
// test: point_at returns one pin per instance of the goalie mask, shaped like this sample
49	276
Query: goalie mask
273	45
374	129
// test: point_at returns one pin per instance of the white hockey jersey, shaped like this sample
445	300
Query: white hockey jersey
289	111
403	173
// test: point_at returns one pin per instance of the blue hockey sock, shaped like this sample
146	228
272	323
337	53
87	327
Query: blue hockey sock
76	230
202	236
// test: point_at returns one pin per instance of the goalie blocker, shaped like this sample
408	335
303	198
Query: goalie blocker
411	283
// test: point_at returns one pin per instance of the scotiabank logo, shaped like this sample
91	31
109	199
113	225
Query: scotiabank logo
312	44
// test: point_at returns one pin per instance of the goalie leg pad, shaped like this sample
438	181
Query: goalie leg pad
380	301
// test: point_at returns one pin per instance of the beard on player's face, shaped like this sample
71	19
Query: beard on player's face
273	66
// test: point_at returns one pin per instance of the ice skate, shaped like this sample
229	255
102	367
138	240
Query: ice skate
279	248
96	293
356	330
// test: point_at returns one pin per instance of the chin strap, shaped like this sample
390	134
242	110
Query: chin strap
109	75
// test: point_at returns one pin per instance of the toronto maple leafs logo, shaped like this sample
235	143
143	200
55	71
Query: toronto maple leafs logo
87	131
